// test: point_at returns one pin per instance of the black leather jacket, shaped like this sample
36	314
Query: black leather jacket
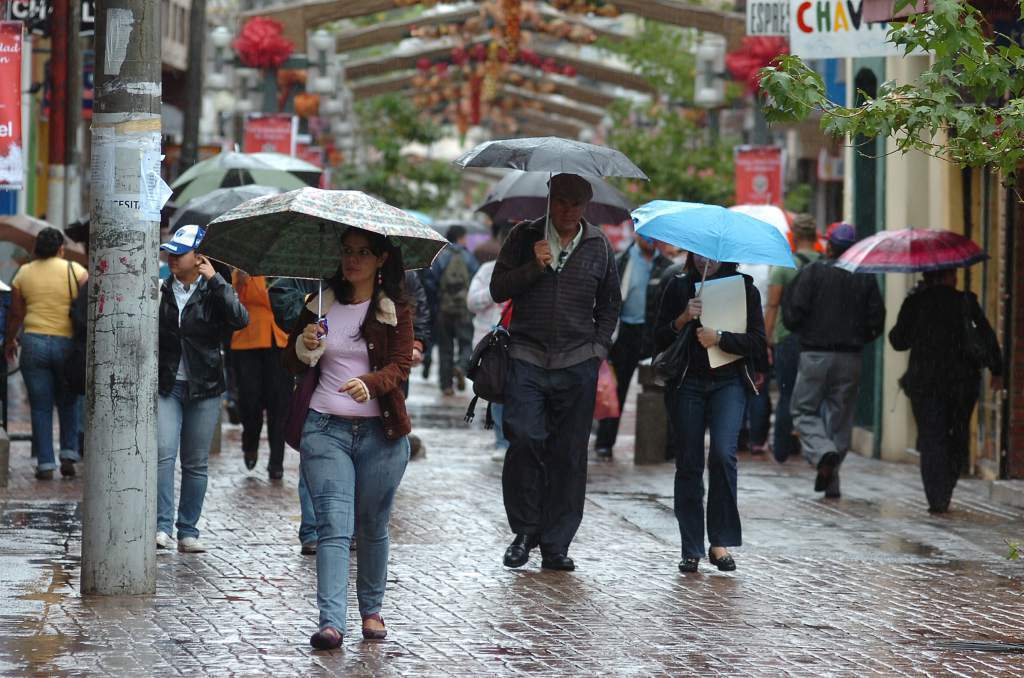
212	313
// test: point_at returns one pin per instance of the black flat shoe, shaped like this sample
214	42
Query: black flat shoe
724	564
826	468
518	552
275	474
327	638
251	458
687	565
67	468
559	562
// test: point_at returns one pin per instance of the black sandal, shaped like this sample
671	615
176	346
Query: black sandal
327	638
687	565
724	564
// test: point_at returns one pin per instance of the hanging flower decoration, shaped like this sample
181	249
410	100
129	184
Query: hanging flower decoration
756	53
261	43
598	7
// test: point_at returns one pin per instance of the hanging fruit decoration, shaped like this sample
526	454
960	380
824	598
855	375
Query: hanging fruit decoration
598	7
261	43
465	86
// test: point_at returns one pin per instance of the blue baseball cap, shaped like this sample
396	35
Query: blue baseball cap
843	235
185	239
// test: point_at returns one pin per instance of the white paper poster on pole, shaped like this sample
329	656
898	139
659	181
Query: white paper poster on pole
828	29
725	309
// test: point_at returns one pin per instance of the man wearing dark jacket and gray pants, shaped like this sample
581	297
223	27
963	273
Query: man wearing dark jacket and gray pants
561	277
835	313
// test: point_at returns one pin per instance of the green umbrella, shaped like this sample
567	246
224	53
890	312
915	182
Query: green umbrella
298	234
239	169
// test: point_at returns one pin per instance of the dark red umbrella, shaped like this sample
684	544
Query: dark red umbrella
911	250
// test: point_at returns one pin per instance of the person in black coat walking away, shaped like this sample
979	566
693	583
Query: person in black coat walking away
702	397
198	309
560	274
950	341
835	313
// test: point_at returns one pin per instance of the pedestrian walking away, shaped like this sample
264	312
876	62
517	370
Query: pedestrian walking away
835	313
560	274
784	345
264	385
640	268
452	272
198	310
42	295
354	449
702	397
950	341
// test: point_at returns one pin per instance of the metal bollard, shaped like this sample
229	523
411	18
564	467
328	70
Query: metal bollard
651	420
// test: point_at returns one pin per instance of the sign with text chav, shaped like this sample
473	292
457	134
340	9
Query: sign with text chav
824	29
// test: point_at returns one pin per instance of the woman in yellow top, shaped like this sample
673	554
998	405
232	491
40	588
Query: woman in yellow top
263	382
43	290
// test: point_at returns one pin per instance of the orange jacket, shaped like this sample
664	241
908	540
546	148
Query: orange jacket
261	329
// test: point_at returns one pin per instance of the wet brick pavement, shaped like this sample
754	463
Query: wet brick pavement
867	585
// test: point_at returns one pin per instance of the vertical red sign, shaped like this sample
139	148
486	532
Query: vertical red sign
270	133
12	164
759	175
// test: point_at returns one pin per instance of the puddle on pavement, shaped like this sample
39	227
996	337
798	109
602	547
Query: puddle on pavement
903	546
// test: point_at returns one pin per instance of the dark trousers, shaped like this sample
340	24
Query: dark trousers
454	344
787	360
943	440
624	357
700	403
759	413
263	384
547	419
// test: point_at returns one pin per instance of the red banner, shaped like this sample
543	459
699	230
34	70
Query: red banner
12	165
759	175
270	133
314	155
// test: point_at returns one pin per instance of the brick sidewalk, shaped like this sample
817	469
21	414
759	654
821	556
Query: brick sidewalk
870	584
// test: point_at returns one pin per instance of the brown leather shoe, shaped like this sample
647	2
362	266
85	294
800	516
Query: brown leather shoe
371	631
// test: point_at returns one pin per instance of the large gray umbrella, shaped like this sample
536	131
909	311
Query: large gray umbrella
551	154
524	195
205	208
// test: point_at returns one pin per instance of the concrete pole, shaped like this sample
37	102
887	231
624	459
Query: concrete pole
193	85
27	123
119	517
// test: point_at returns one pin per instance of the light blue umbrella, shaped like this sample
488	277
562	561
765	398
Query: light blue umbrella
421	217
713	232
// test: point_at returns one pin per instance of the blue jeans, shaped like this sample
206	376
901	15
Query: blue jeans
42	367
787	360
307	526
497	411
718	403
190	425
759	413
352	473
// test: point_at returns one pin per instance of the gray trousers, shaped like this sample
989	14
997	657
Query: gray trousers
824	402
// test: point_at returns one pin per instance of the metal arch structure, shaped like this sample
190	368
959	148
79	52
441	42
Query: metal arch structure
302	17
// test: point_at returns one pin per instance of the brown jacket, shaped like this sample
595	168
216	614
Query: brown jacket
389	340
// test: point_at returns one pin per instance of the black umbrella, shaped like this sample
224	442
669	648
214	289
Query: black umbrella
524	195
551	154
205	208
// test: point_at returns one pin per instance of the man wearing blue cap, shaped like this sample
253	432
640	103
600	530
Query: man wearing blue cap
835	313
198	308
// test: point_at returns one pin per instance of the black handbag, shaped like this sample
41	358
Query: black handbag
975	348
488	368
671	362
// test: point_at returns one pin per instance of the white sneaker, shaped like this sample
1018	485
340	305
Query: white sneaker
190	545
163	540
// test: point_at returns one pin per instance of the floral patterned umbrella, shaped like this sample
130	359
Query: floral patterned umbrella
298	234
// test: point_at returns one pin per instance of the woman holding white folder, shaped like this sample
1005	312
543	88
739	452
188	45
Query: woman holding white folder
710	391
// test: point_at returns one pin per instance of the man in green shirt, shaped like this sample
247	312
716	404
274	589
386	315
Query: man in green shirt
783	346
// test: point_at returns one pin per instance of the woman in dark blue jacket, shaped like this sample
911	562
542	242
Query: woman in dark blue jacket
701	397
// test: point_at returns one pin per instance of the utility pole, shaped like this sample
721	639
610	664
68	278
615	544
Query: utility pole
119	519
59	35
193	85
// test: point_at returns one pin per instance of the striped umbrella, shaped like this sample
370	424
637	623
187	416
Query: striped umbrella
911	250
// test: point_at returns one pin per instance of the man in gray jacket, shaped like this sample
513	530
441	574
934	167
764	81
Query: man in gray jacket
561	276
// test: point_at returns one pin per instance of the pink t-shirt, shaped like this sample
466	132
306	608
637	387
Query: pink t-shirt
344	358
